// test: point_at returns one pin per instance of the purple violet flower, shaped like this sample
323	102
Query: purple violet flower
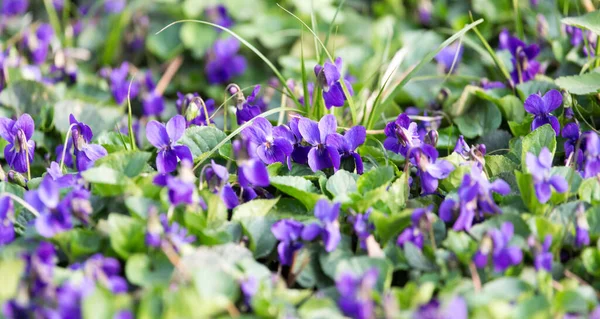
152	102
300	152
218	15
524	66
362	227
159	230
456	308
348	143
105	270
446	57
572	133
542	256
288	232
582	233
7	230
223	63
114	6
591	166
474	200
575	35
217	178
61	179
356	299
181	189
39	43
431	169
496	244
249	108
268	144
55	216
328	228
252	174
414	232
119	84
165	139
321	155
401	135
540	168
249	287
86	154
329	79
20	149
14	7
541	107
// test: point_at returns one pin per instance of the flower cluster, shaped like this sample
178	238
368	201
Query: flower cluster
403	137
496	244
291	233
474	200
525	67
42	297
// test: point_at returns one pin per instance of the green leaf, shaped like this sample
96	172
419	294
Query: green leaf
506	288
512	108
197	38
98	117
253	209
299	188
398	194
583	84
98	305
126	235
462	245
107	181
590	21
535	141
533	87
144	271
591	260
455	178
479	120
496	164
202	139
28	97
416	259
129	163
139	206
77	243
572	177
374	179
386	226
9	284
261	239
589	191
341	184
165	45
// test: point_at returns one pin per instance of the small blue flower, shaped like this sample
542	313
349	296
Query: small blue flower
497	245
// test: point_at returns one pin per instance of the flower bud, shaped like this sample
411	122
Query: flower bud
17	179
432	138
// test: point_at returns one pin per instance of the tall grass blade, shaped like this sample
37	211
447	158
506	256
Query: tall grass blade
344	88
247	44
377	109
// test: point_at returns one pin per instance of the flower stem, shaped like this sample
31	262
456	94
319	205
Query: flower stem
130	116
64	151
475	277
22	202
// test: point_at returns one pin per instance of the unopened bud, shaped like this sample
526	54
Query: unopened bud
432	138
17	179
193	109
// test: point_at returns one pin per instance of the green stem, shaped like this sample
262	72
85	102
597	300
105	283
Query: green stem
130	116
597	53
22	202
54	21
518	21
